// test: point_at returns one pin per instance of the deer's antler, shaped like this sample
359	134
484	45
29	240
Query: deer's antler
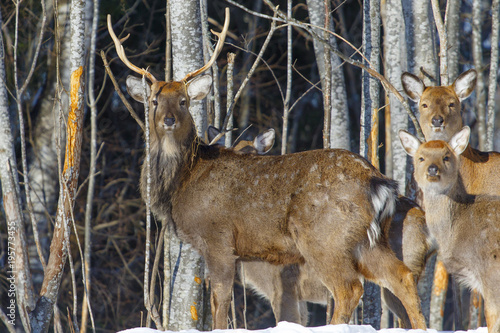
121	53
220	43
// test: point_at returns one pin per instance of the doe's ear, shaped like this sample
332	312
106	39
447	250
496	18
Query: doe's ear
413	86
199	87
464	84
136	90
409	142
264	141
460	140
212	132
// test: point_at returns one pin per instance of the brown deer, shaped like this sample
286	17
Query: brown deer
288	288
328	208
466	227
441	118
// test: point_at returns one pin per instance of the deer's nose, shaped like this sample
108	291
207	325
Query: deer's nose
437	121
169	121
432	170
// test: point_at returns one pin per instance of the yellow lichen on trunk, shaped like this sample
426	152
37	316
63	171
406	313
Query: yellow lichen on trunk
194	313
72	125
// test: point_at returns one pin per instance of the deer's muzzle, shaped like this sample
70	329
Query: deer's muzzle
169	121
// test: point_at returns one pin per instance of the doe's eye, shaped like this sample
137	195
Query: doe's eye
452	105
424	106
420	159
155	102
182	102
446	158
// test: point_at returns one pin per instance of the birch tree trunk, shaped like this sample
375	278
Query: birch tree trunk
492	85
452	21
422	61
395	64
187	55
20	285
41	316
43	169
339	113
421	40
370	104
477	54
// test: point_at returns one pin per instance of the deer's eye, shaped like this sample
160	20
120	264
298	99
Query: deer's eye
446	158
424	106
420	159
182	102
155	102
452	105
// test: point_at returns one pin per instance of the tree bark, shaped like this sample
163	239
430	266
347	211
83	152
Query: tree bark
339	113
187	55
17	265
477	55
42	315
395	64
370	103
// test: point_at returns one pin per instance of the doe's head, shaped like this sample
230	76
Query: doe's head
440	107
435	162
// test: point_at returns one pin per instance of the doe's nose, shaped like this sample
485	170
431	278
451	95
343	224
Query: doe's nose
432	170
437	121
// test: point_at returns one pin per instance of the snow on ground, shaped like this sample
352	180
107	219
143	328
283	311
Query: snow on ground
285	327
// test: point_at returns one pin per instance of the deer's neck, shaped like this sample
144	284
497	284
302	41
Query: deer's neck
442	209
168	159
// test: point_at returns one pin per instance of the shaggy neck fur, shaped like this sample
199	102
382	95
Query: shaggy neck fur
168	158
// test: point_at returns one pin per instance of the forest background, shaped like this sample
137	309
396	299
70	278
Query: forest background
70	148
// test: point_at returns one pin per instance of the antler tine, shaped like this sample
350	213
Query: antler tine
121	53
220	43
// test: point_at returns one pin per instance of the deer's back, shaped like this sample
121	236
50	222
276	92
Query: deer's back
479	171
247	200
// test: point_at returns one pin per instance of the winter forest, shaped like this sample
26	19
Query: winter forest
80	250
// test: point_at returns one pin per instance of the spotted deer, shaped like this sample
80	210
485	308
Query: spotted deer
466	227
441	118
289	287
328	208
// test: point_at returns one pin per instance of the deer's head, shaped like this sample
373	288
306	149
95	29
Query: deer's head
169	101
436	162
440	107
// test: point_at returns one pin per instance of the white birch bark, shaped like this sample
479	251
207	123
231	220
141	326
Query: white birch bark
395	64
339	113
420	39
477	55
16	238
187	55
492	85
41	316
452	22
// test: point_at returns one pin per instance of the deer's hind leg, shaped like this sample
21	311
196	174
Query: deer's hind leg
379	264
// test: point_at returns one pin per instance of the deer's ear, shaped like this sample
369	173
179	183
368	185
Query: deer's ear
413	86
460	140
212	132
264	141
409	142
199	87
464	84
136	90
